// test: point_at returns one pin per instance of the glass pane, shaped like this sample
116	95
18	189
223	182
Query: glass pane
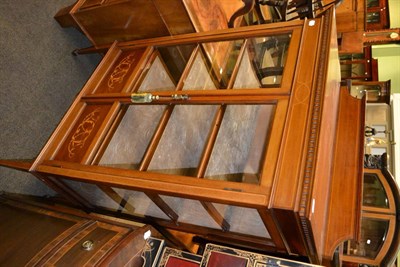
243	220
374	194
241	141
141	204
190	211
199	77
157	78
93	194
378	150
221	58
373	17
183	141
372	3
132	137
380	130
246	76
175	59
373	234
268	56
358	70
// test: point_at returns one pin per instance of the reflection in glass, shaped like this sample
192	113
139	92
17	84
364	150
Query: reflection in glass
157	78
183	141
241	141
374	194
132	137
373	235
243	220
373	17
268	56
372	3
246	77
221	58
190	211
175	59
93	194
199	77
142	204
353	70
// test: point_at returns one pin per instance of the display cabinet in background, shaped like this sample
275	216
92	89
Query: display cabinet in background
104	21
377	16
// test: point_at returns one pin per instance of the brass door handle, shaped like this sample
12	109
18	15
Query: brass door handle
148	97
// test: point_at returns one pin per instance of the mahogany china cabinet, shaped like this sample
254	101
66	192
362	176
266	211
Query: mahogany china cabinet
234	135
104	21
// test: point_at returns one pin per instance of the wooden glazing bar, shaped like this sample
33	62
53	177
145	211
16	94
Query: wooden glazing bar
117	198
187	69
214	213
165	119
205	158
251	195
217	35
216	235
163	206
148	155
109	135
237	64
60	187
196	96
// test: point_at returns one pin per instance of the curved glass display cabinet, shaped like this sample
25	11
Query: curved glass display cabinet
378	242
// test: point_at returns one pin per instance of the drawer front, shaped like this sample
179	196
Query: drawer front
89	246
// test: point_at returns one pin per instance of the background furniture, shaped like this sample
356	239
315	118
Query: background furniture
359	66
35	233
377	16
104	21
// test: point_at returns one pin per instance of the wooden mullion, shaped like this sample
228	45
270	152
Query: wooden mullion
237	65
155	198
208	206
148	155
210	143
217	123
188	67
165	118
163	206
215	235
214	213
103	146
122	202
60	187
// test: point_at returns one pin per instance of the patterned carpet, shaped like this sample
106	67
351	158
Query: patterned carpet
39	78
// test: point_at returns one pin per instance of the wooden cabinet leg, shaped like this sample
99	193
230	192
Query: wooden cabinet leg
64	17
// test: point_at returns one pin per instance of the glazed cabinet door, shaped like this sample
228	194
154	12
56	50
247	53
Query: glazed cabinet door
185	134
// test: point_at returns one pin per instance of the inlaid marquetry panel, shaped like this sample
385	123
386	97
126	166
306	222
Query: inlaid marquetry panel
83	133
118	74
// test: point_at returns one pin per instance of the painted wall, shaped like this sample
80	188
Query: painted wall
389	55
388	64
394	13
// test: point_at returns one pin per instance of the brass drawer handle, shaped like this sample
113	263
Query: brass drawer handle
87	245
